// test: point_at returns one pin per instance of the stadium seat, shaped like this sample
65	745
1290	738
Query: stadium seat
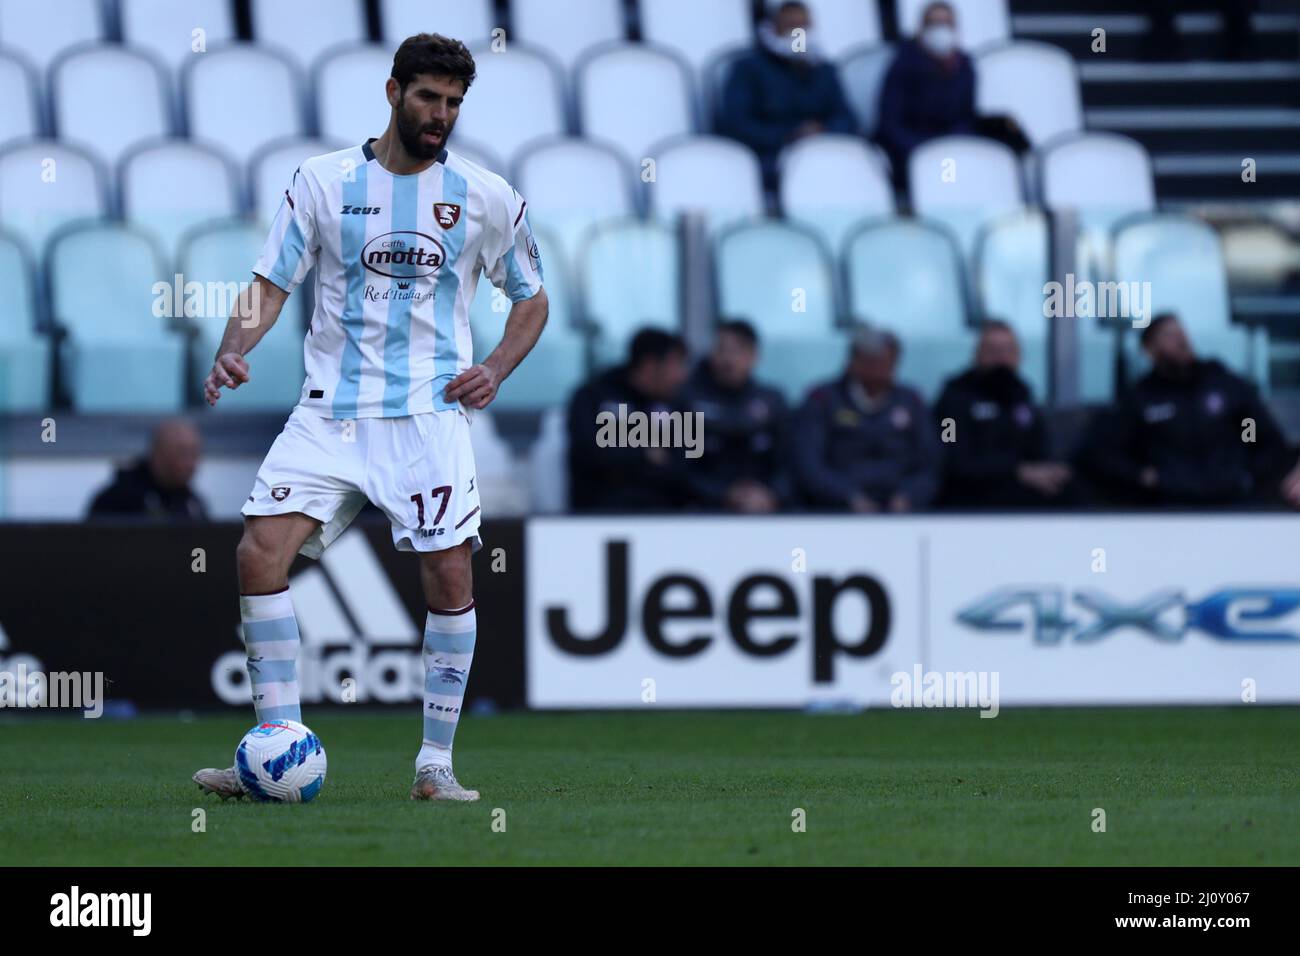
21	118
862	75
632	97
548	465
630	276
906	276
469	21
349	93
165	28
1183	260
708	174
566	37
713	79
964	182
24	355
978	21
492	115
479	154
220	257
839	26
171	186
779	277
283	28
502	486
102	280
42	31
571	184
108	99
1035	83
698	32
559	361
46	185
829	183
266	89
272	171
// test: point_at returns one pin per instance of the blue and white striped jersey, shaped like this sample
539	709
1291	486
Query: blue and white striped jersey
397	264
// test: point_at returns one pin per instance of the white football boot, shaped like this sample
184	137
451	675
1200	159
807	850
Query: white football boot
436	782
224	783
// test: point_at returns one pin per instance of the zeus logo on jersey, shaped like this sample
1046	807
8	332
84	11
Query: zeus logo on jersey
1230	614
403	255
351	210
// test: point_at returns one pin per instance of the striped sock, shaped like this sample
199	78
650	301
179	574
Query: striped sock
448	652
271	643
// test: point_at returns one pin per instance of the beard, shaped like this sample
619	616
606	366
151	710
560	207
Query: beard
411	133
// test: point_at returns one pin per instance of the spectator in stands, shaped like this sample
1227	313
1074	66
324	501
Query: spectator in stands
994	440
627	477
863	442
1191	433
929	91
783	90
743	467
157	486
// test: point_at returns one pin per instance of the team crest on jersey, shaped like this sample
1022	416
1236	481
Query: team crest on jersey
447	214
280	493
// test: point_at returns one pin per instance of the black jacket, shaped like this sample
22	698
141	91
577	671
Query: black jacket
134	492
922	99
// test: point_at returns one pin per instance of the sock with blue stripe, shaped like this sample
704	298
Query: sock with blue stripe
271	642
448	652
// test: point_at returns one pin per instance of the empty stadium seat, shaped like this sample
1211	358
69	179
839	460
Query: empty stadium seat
272	171
349	93
492	114
630	275
469	21
907	276
978	21
46	185
1183	260
838	26
479	154
303	38
558	362
1036	83
567	35
102	292
171	186
548	465
42	31
221	256
21	118
830	183
964	182
713	80
264	86
780	278
632	97
707	174
862	75
24	355
165	28
698	32
108	99
571	184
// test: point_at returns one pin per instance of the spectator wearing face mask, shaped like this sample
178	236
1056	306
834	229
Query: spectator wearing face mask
929	91
783	90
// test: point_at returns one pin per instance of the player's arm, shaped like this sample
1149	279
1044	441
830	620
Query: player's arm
258	307
477	385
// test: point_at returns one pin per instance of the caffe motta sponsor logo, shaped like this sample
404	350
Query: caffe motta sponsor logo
403	255
76	908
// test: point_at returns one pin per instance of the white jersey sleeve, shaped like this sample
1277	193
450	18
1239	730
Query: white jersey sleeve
510	254
292	246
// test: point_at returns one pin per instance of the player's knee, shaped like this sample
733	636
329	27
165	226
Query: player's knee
447	578
257	558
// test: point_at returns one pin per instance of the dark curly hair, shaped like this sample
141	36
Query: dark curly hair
435	55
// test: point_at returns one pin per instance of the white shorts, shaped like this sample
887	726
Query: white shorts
418	470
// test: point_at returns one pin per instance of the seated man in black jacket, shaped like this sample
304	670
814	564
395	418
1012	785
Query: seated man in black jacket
1191	433
158	485
609	472
743	467
995	442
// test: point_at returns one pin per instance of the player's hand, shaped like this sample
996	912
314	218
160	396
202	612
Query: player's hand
899	503
476	386
229	371
1045	477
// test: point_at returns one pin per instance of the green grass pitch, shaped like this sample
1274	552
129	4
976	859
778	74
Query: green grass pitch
1178	786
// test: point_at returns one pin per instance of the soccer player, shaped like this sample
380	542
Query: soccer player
399	229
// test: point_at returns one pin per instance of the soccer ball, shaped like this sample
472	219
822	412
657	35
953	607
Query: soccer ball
281	761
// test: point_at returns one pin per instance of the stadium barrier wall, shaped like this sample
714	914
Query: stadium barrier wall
696	612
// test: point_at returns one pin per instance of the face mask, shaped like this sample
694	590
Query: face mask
940	39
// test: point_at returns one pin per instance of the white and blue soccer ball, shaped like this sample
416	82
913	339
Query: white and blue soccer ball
281	761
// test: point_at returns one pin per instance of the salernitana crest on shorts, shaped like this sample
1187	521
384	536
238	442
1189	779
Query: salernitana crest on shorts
280	492
447	214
